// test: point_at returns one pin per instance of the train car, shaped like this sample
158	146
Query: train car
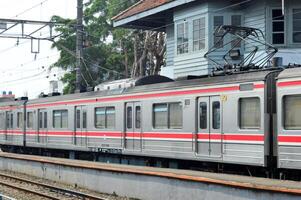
289	118
12	123
224	119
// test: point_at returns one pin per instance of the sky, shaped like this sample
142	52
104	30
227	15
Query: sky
21	71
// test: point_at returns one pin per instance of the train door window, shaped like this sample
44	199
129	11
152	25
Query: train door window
160	119
138	117
77	118
175	115
129	115
216	115
40	119
29	120
7	120
45	120
203	115
84	119
60	118
292	112
249	113
19	120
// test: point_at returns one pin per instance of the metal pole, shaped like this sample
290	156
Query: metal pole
79	46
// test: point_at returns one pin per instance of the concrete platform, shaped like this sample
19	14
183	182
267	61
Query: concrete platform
151	183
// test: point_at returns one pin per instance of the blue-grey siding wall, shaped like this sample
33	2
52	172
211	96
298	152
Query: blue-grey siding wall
170	45
256	14
193	62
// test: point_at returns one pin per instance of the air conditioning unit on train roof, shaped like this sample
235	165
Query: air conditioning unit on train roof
117	84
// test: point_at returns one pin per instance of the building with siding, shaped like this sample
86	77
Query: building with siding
190	24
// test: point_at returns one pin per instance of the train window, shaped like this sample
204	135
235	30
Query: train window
77	118
19	120
105	117
292	112
216	115
129	116
60	119
11	120
110	117
100	117
249	113
29	120
84	119
160	115
175	116
45	120
138	117
203	115
40	120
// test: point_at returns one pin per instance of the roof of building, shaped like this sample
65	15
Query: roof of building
141	6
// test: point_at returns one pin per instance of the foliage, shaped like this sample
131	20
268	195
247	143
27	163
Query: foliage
109	53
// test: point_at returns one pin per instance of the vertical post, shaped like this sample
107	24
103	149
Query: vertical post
79	46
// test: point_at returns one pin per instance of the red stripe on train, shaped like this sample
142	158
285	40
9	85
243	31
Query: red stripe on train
152	135
289	83
296	139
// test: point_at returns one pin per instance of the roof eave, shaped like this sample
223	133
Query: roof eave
125	21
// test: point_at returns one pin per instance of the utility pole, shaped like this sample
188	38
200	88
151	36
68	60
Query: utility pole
79	46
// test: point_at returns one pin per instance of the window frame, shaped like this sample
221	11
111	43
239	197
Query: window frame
27	120
105	117
22	120
283	113
168	126
199	18
61	119
271	27
292	25
186	35
239	113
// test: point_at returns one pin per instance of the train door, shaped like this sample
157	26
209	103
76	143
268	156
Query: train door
43	126
209	139
133	134
81	125
9	126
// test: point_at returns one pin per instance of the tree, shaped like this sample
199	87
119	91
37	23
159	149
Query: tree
110	53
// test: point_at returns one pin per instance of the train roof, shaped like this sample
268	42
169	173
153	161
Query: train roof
290	73
250	76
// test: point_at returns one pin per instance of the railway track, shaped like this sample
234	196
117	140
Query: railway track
43	190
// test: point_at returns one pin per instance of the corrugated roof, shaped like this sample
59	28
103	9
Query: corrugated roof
139	7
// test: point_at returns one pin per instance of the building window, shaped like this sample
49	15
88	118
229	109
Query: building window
297	25
292	112
182	38
216	115
203	115
105	117
60	119
249	113
236	21
29	120
278	31
217	22
199	27
168	116
20	120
